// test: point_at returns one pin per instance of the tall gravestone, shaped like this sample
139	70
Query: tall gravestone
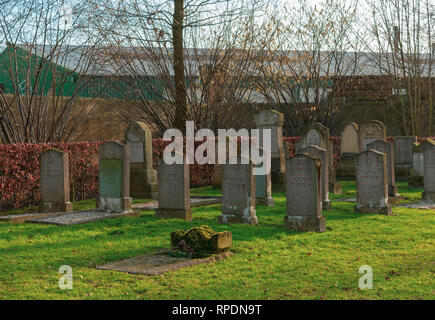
273	120
304	194
417	171
238	193
54	184
372	183
174	191
387	148
143	177
371	131
317	134
322	155
428	146
403	155
263	190
348	151
114	165
217	182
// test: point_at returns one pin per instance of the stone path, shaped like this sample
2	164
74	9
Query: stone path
78	217
423	205
195	201
344	200
158	263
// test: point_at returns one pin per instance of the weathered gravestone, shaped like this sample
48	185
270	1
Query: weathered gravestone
371	131
317	134
263	190
372	183
428	146
217	182
143	178
202	239
174	191
387	148
263	185
304	194
403	155
114	165
238	192
273	120
54	185
322	155
417	171
349	149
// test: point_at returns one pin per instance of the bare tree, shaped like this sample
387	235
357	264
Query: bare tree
45	69
402	36
173	49
306	64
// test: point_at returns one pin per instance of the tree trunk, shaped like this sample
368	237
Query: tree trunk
180	82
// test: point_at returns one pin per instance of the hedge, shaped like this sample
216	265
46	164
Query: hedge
19	169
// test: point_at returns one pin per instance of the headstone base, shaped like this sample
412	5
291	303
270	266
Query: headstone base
415	181
301	223
384	209
326	204
265	202
55	207
232	218
335	187
182	214
428	196
346	166
392	191
114	204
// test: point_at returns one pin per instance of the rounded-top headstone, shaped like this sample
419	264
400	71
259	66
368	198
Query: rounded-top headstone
349	139
371	131
269	118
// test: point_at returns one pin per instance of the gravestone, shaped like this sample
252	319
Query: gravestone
417	171
428	146
316	134
322	155
348	151
263	190
217	182
143	177
371	131
403	155
238	193
372	183
387	148
304	194
54	184
174	191
273	120
114	165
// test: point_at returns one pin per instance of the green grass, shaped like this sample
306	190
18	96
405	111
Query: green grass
270	262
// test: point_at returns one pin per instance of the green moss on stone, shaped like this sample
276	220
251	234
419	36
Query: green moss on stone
202	238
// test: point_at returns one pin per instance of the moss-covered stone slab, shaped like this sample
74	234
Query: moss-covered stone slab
159	262
203	238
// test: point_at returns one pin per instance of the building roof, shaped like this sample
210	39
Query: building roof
114	61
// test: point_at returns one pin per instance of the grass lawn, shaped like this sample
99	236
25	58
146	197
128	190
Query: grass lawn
270	262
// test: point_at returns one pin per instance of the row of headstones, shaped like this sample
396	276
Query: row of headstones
115	173
405	154
122	168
